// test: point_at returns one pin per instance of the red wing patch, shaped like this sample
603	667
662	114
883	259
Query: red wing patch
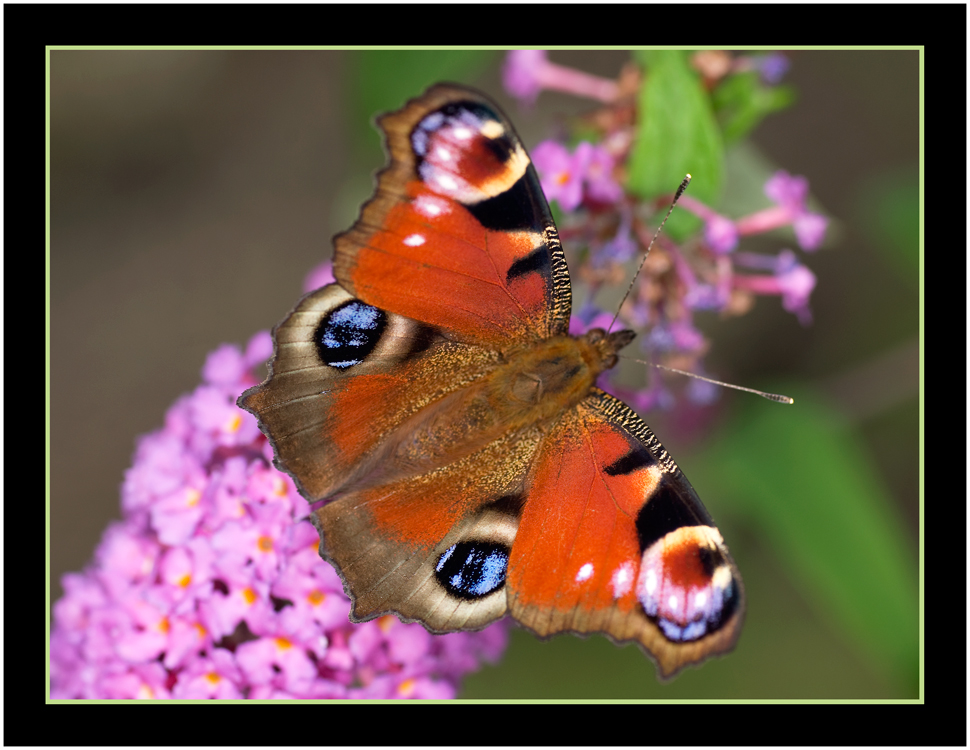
459	234
613	539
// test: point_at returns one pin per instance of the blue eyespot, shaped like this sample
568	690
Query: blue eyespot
349	333
471	570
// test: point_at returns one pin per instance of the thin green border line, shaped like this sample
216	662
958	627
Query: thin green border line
922	228
916	701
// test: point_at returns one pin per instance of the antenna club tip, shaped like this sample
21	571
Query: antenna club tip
681	188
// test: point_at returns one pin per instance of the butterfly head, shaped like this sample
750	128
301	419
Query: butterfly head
605	346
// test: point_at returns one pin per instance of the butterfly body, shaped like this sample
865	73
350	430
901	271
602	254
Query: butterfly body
435	399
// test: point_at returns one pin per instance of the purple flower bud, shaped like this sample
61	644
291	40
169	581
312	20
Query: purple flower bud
810	230
793	281
786	190
796	286
721	234
599	164
773	67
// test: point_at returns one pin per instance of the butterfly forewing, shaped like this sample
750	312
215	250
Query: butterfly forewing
344	379
459	234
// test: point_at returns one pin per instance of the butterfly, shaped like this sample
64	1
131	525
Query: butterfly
435	399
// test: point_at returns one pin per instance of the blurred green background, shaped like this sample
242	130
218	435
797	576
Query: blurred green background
191	191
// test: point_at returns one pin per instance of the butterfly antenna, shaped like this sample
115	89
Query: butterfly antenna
680	192
770	396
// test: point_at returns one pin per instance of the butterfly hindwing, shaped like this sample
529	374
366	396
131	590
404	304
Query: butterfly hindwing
613	539
433	548
458	234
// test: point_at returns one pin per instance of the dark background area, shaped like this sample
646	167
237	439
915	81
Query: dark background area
191	191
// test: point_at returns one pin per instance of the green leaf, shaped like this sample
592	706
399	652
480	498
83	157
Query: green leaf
676	135
806	480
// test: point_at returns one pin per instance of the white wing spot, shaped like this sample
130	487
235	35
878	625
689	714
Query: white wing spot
622	580
429	206
414	240
447	182
584	573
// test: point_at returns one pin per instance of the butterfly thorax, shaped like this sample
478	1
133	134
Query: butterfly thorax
530	388
537	383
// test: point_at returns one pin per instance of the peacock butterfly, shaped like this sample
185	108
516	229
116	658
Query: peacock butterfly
435	399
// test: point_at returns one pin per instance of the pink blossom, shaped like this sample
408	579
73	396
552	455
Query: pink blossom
142	681
224	366
521	73
217	676
211	586
560	174
567	178
790	194
187	638
176	515
126	560
185	573
526	72
786	190
810	230
278	662
598	173
720	232
791	280
144	636
796	286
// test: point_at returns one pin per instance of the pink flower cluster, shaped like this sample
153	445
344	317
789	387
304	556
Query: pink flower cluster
788	193
568	178
675	284
211	586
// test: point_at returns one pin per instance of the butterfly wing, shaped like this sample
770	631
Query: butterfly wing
433	549
455	259
458	233
345	379
585	527
613	539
